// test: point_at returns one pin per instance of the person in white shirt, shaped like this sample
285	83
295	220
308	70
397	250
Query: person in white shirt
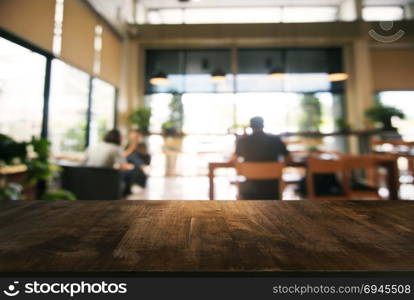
109	154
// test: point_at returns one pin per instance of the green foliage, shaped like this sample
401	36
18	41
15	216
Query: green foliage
342	125
59	195
168	128
74	138
102	128
11	191
311	118
312	148
11	152
36	160
141	118
39	167
174	125
382	114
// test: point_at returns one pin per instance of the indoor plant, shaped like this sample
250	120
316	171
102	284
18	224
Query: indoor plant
311	118
342	125
141	119
12	152
174	125
34	155
172	131
382	114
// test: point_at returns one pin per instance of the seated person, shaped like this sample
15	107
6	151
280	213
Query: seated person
260	147
136	153
108	154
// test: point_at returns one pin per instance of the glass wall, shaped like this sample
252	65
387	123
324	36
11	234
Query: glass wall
291	88
68	108
102	110
22	75
72	91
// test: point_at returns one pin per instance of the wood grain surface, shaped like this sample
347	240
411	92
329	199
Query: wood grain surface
208	236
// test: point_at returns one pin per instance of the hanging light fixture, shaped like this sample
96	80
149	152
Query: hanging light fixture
279	71
337	76
336	73
160	78
218	76
276	73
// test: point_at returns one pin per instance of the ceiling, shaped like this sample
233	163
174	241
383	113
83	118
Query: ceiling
238	3
119	11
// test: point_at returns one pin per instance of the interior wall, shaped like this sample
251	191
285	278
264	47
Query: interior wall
393	69
130	83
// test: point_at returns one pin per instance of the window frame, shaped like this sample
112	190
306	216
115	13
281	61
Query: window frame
48	82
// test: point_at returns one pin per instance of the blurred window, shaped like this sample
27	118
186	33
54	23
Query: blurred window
103	106
68	108
22	74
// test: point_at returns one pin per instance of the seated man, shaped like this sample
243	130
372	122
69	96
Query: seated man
260	147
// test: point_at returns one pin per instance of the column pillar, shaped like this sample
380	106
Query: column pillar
359	87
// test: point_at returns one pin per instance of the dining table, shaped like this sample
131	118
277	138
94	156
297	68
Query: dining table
272	237
299	159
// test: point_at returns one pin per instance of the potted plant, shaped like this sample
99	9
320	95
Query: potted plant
40	169
311	117
34	156
172	131
342	125
173	127
382	114
10	190
141	119
11	152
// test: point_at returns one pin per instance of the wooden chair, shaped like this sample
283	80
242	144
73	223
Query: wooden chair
367	163
261	171
318	166
395	146
399	149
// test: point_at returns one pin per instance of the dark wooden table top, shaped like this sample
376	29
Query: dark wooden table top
208	236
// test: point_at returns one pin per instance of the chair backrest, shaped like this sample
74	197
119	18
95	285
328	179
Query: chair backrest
89	183
329	169
260	170
324	166
364	161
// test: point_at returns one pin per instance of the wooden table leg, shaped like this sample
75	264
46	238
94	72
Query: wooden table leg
211	181
393	181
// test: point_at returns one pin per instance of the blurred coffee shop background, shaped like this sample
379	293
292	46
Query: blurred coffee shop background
329	75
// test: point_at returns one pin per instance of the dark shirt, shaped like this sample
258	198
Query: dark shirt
260	147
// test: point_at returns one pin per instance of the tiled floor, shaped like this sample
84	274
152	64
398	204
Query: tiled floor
183	188
190	188
196	188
